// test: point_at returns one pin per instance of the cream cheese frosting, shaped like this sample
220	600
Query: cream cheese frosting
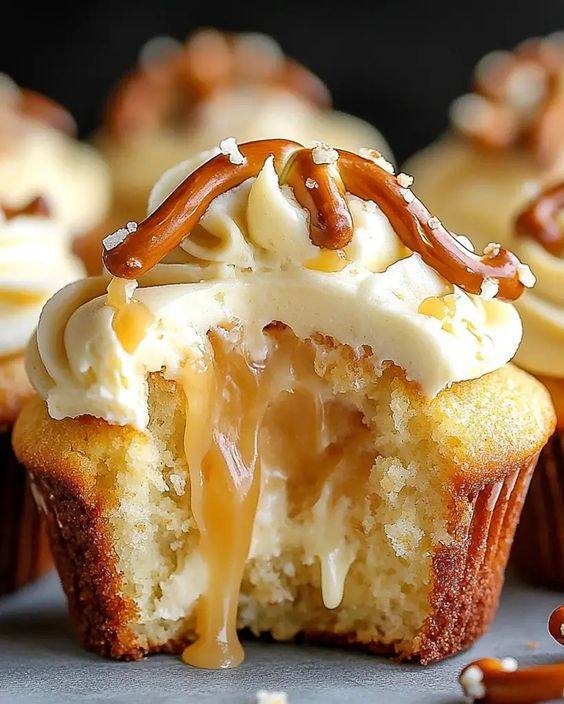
249	262
39	160
542	311
35	261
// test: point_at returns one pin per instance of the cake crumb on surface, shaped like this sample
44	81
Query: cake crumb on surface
265	697
489	288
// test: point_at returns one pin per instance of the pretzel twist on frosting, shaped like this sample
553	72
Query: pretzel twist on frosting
331	225
492	681
543	219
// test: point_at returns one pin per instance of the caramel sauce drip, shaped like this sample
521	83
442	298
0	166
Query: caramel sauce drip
330	221
556	625
512	113
522	686
169	89
238	417
37	206
131	318
543	219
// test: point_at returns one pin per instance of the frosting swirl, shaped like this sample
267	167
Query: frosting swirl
35	261
249	262
538	237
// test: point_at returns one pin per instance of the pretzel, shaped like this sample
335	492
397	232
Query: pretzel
543	219
492	681
37	206
135	250
168	88
556	625
518	100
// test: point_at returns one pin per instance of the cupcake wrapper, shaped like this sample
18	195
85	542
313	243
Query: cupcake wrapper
467	574
24	548
539	543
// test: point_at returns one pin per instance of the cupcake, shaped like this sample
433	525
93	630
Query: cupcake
35	260
288	411
183	98
39	156
539	236
507	137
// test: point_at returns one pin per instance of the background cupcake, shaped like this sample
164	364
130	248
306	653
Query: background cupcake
183	98
539	238
506	140
39	156
35	261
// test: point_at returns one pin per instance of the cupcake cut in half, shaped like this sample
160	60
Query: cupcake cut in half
35	261
290	411
506	142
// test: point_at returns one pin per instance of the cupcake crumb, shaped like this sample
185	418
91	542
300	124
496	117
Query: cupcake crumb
264	697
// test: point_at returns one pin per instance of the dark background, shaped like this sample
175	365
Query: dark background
396	63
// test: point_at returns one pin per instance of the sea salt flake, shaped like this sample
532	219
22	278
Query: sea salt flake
264	697
433	223
116	238
472	682
311	183
491	250
407	195
324	154
228	147
509	664
376	157
404	180
526	276
489	288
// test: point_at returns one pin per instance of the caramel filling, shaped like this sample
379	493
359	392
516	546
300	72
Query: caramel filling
132	318
282	415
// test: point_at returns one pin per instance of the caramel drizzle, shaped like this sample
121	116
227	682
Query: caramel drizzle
171	86
498	685
556	625
543	219
36	207
506	121
331	225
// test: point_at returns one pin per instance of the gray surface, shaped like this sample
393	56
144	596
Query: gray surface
40	662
